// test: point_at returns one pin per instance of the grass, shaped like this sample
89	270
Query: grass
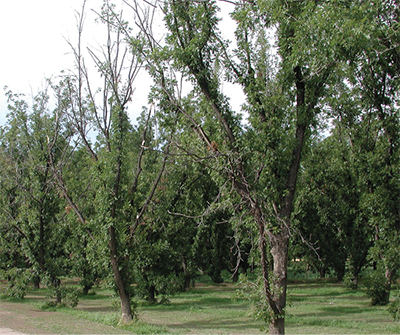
315	307
330	308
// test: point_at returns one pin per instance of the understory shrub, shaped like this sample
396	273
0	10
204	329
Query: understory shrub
66	295
394	307
375	283
350	281
252	291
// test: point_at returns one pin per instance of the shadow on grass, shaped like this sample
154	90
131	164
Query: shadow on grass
96	296
345	310
93	309
197	304
329	311
226	325
325	298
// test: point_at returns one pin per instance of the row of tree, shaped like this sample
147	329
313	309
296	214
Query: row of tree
312	173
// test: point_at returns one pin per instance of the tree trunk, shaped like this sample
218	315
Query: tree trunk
187	276
151	289
279	251
56	284
126	311
388	283
41	259
277	326
36	282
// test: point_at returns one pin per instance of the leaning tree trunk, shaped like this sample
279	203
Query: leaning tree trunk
126	311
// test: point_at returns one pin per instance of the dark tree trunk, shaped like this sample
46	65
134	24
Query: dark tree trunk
36	282
56	284
187	276
87	279
277	326
340	271
86	289
151	298
41	260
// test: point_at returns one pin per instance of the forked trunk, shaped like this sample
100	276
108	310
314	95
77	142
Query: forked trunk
275	285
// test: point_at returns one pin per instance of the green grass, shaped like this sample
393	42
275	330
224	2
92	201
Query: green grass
331	308
315	307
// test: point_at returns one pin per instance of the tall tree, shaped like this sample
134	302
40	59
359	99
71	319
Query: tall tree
118	156
262	158
328	209
32	207
367	107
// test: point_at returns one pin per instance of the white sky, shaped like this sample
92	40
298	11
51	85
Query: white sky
33	45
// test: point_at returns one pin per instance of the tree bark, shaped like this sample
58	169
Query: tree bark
279	251
388	282
126	311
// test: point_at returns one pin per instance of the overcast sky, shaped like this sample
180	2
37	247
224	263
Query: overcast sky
33	42
33	45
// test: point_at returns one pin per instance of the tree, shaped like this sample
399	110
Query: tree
327	210
118	156
32	207
87	260
367	108
262	159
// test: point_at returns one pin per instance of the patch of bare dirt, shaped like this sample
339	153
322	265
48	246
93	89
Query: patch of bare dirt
8	331
24	318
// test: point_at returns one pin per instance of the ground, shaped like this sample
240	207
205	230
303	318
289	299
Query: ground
16	319
8	331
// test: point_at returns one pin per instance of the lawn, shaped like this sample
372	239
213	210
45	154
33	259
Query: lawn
331	308
315	307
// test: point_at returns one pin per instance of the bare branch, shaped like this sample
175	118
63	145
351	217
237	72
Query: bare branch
150	197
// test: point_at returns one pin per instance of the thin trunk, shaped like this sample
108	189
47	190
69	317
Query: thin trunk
187	276
56	284
264	260
41	260
36	282
126	311
388	283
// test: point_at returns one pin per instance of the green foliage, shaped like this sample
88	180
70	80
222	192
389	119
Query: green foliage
328	213
377	289
17	282
394	307
31	206
349	281
253	292
63	295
